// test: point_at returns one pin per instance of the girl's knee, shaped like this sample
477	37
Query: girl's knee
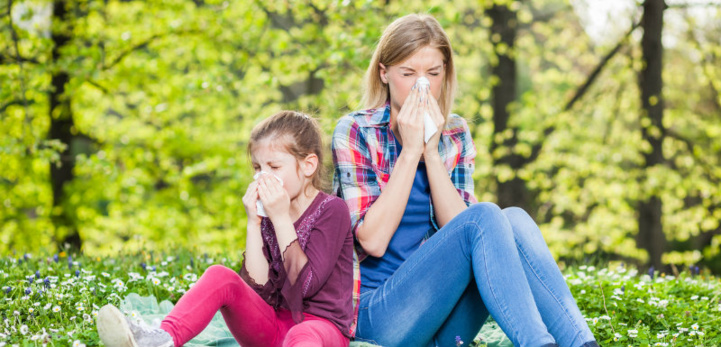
314	333
303	335
218	271
222	276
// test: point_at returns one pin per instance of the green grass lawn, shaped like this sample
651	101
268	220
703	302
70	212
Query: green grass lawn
53	300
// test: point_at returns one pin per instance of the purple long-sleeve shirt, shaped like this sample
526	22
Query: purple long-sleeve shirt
323	286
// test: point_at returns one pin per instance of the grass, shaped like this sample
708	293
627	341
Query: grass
53	300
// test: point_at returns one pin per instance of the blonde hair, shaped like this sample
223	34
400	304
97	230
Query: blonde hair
301	135
403	38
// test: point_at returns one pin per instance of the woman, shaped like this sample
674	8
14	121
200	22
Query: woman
433	262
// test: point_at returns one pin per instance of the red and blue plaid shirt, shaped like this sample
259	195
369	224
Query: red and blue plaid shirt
364	154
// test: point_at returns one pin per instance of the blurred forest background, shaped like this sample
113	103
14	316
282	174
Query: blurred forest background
123	124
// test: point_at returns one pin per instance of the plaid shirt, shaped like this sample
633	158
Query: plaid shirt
364	154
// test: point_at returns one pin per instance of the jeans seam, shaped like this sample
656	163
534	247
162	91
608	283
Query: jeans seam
552	293
504	309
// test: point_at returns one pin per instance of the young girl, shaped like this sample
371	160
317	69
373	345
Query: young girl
295	285
433	262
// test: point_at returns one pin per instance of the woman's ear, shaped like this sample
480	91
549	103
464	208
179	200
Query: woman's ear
382	72
309	165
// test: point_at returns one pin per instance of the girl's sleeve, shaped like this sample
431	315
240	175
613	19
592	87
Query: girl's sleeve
322	251
354	180
266	291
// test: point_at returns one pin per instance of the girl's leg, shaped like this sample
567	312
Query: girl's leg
250	319
553	298
412	305
315	332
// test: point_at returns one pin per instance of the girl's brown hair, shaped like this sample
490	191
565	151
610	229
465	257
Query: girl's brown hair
301	135
403	38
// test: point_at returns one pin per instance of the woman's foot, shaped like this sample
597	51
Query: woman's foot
116	330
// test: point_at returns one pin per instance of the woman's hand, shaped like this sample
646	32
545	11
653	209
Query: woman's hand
275	199
249	199
431	106
410	122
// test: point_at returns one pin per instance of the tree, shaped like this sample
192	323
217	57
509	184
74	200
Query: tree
650	228
62	129
513	191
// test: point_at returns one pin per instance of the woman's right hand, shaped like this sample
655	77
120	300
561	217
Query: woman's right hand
410	122
249	199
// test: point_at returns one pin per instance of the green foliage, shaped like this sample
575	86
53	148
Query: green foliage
56	298
164	93
623	308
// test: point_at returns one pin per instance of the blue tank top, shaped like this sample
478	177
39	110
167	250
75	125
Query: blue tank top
414	226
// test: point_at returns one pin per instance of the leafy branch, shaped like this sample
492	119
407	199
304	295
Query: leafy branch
16	45
581	91
144	44
5	60
692	150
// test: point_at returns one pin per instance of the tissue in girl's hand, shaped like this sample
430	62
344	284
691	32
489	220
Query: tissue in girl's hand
429	127
259	205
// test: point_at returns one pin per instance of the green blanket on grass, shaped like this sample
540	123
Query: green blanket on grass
217	333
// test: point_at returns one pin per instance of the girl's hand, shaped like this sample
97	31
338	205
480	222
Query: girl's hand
431	106
275	199
249	199
410	122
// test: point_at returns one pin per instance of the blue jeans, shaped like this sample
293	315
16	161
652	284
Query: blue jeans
483	261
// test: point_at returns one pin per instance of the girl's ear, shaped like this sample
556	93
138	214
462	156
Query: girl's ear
382	73
309	165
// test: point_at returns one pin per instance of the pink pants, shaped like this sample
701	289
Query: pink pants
251	320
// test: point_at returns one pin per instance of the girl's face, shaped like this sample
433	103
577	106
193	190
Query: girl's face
270	155
428	62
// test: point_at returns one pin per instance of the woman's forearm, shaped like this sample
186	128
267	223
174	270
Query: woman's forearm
384	216
447	202
255	262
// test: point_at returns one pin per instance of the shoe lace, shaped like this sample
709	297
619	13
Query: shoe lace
140	327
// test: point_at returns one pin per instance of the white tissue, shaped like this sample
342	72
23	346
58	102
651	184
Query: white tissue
259	205
429	126
423	81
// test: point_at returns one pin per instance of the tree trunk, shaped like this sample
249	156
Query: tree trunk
513	192
650	229
61	128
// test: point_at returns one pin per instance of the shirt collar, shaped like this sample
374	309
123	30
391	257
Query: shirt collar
378	117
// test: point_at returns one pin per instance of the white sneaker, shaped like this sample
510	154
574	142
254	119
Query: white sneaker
116	330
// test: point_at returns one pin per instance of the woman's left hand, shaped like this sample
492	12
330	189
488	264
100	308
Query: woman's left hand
430	105
275	199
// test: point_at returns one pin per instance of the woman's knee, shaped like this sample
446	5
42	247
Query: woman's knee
517	215
484	211
488	214
524	227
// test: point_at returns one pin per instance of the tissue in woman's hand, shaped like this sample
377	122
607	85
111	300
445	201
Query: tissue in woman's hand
259	205
423	81
429	126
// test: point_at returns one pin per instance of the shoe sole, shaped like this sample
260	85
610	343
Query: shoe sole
113	329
